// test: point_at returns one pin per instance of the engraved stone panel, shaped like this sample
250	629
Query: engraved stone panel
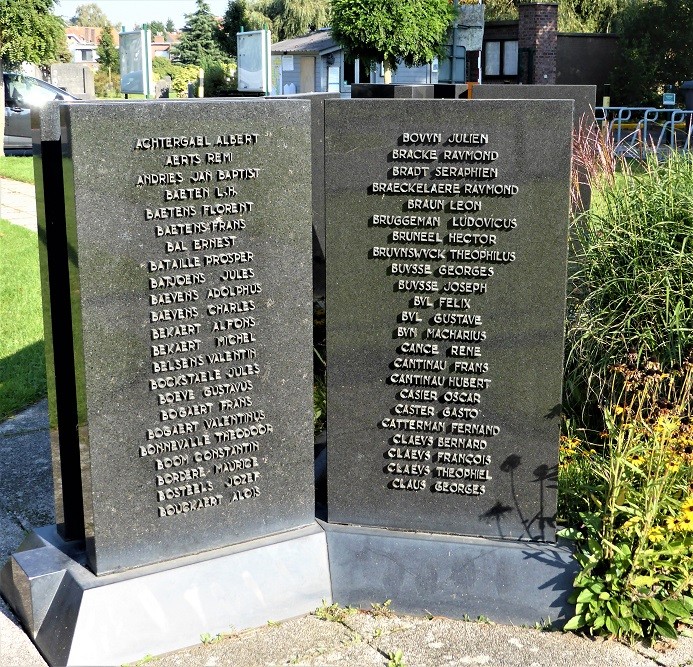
585	96
446	251
189	234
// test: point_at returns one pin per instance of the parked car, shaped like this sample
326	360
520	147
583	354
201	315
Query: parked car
23	93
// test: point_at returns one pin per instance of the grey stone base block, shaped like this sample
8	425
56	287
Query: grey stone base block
446	575
77	618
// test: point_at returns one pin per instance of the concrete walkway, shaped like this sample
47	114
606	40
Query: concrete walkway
331	637
18	203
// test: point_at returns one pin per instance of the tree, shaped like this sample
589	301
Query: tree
107	53
656	40
90	16
169	26
588	15
573	15
389	31
235	17
298	17
198	43
157	28
180	74
501	10
29	32
288	18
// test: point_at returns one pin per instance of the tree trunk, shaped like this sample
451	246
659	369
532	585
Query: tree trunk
387	70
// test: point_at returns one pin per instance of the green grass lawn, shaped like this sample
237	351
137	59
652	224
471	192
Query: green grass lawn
22	363
17	168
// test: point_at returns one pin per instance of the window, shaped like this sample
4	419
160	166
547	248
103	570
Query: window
500	58
492	58
510	58
351	69
25	92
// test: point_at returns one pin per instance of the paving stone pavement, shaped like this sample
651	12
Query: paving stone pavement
18	203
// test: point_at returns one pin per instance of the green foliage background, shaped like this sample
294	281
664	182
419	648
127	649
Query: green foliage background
199	41
30	32
410	31
656	41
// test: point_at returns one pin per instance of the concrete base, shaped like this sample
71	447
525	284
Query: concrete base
77	618
446	575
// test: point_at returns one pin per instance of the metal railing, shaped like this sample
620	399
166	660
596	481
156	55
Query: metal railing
638	130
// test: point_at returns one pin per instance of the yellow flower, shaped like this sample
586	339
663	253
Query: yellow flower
631	522
666	425
656	534
637	460
686	522
671	523
618	410
687	505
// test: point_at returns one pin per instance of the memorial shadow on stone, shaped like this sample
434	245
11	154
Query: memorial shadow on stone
535	525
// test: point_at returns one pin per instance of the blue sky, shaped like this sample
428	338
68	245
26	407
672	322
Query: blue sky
130	12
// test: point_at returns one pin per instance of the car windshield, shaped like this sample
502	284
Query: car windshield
23	91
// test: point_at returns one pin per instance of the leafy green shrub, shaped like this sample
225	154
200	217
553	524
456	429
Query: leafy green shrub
577	477
635	544
180	74
319	404
319	369
220	79
631	285
106	85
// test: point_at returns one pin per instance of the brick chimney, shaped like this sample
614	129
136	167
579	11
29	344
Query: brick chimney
538	37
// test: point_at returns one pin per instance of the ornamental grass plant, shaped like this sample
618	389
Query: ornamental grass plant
626	456
631	287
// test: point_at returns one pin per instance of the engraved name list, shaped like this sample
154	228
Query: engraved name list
442	254
206	447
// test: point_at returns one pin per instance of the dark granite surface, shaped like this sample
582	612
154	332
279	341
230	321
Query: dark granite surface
452	576
50	216
159	353
494	472
585	96
317	137
391	90
450	91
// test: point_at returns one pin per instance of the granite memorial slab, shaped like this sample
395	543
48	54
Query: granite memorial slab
447	238
585	97
176	267
447	227
317	135
450	91
60	366
77	618
400	91
191	301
